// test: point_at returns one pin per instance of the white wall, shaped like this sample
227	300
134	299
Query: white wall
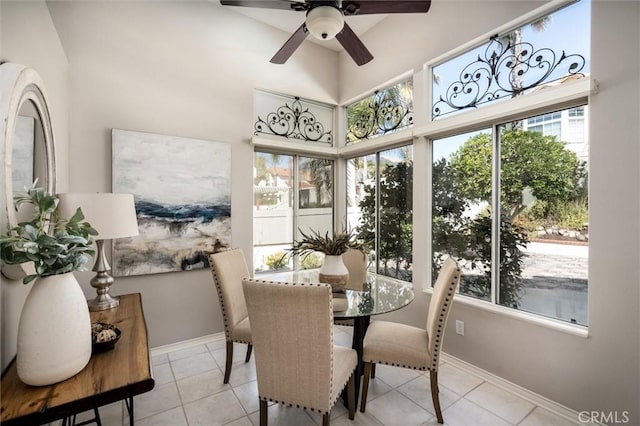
28	37
601	372
176	68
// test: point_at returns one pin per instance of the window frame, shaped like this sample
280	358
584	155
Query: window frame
491	116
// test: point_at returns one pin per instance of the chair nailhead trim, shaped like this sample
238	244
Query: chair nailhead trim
225	316
443	313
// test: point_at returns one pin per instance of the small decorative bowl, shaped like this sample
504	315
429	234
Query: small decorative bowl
104	336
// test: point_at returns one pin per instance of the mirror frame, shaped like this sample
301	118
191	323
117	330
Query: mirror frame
20	84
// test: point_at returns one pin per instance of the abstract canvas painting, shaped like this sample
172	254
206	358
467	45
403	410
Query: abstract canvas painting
182	192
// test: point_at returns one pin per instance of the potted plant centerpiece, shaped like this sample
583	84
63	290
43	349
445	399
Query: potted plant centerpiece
54	332
333	270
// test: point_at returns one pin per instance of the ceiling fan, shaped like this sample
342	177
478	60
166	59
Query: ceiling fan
325	20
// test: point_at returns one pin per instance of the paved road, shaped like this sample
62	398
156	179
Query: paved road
556	281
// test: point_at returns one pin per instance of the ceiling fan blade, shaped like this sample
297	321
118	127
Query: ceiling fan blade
264	4
367	7
290	45
354	47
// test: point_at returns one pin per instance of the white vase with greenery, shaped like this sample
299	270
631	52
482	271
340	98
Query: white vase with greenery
54	332
333	270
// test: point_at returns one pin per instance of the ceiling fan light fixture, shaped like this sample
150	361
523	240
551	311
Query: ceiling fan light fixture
324	22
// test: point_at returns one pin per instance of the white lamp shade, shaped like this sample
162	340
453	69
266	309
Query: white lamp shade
112	215
324	22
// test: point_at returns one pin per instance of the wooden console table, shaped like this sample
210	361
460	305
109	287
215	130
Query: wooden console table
114	375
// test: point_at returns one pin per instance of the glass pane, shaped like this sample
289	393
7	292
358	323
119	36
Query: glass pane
269	259
385	111
544	205
395	232
272	206
293	118
461	215
316	183
543	52
361	183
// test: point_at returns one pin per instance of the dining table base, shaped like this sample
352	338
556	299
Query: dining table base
360	325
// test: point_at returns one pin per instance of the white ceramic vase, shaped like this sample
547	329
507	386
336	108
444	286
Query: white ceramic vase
334	272
54	333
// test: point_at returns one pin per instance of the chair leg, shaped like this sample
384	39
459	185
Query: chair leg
248	357
229	363
351	396
365	385
373	371
326	419
435	395
263	413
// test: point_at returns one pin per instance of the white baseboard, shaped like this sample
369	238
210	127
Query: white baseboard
534	398
186	344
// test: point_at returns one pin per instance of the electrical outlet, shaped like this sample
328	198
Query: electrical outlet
460	327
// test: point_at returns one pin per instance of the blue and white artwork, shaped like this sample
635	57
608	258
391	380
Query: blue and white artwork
182	191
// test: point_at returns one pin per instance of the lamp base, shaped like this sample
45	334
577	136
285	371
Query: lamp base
103	302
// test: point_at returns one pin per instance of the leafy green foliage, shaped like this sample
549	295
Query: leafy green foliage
53	244
395	234
469	241
276	260
529	161
310	261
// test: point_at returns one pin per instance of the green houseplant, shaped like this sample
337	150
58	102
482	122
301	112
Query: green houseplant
334	245
55	316
333	271
55	245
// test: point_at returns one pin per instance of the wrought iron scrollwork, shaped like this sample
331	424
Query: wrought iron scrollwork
293	122
505	70
384	112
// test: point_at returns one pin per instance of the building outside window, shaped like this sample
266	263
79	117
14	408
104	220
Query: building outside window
291	193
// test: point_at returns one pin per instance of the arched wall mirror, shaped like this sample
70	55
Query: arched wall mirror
26	135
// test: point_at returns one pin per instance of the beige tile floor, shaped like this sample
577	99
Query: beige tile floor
189	392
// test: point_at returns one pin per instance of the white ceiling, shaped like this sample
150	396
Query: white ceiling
289	21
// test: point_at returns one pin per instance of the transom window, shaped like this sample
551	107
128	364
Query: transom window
385	111
541	53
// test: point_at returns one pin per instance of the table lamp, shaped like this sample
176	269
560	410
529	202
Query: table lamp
113	216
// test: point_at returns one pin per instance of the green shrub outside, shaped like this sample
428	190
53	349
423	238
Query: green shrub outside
276	260
311	261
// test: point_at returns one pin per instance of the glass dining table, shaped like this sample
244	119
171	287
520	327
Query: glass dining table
378	295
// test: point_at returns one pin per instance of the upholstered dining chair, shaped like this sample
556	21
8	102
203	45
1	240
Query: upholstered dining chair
297	363
356	262
229	268
405	346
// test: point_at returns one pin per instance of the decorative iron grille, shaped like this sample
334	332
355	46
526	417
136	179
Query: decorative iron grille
506	71
293	121
383	112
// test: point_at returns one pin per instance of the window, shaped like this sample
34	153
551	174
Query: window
510	200
536	55
538	241
291	192
379	207
385	111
